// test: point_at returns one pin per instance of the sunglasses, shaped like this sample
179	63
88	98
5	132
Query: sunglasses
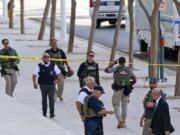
45	56
5	43
91	55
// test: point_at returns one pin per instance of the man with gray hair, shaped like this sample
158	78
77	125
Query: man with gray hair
84	92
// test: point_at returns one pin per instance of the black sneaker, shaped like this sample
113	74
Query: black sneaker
52	115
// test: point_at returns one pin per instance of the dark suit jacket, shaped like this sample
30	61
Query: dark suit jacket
161	120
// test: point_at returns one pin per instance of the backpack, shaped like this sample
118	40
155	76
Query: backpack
122	77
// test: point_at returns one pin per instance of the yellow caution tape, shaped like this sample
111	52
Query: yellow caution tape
39	58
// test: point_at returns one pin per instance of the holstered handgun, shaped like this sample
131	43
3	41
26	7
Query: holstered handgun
3	72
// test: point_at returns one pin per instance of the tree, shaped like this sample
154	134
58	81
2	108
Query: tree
22	16
116	34
72	25
10	13
93	25
152	19
53	20
131	33
43	22
177	87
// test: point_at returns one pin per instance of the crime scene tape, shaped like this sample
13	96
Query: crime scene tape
39	58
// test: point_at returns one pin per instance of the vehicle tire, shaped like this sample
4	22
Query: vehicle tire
123	26
112	21
98	24
143	46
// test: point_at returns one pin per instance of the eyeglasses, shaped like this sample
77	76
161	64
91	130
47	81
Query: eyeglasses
45	56
153	83
91	55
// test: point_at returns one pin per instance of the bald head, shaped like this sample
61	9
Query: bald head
46	57
156	93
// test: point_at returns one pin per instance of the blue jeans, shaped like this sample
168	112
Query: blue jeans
94	127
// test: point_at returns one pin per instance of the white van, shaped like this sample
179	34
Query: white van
169	25
108	11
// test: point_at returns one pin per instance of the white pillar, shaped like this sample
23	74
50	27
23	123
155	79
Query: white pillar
4	17
63	25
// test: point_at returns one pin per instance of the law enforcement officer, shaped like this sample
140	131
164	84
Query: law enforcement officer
84	92
48	75
88	68
149	105
58	53
123	79
94	112
9	67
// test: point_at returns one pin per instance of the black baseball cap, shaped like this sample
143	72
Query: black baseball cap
122	60
100	88
152	80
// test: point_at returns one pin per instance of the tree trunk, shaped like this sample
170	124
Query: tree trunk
93	25
131	33
177	87
22	16
43	22
152	19
53	20
72	26
116	34
177	4
154	47
11	12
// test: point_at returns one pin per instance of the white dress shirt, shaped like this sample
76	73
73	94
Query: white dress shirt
157	101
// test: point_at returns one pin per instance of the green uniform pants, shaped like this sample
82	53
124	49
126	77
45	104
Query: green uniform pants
147	123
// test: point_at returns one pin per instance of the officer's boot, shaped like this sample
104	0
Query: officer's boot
121	124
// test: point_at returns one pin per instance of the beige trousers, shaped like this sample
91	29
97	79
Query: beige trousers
11	81
119	99
147	123
60	88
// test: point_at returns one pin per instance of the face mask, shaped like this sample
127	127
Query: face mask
45	62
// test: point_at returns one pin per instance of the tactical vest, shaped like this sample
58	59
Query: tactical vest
122	77
90	70
46	74
149	111
56	55
8	63
85	90
89	112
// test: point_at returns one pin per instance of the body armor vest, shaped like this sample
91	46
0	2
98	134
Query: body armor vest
89	112
56	55
46	74
122	77
90	70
